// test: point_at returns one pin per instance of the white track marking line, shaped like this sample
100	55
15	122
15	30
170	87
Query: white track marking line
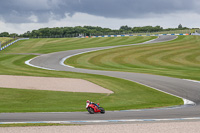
192	80
28	63
103	121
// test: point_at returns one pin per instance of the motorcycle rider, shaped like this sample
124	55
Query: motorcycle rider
88	103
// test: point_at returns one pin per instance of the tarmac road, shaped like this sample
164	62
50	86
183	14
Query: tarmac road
179	87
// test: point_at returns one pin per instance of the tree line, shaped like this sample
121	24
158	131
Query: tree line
59	32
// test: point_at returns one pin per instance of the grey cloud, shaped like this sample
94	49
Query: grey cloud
19	11
133	8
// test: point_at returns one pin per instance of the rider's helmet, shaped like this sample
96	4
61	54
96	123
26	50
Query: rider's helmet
88	101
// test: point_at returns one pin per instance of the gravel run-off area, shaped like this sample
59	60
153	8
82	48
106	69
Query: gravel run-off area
170	127
50	83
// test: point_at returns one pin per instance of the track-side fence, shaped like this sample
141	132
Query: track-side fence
130	35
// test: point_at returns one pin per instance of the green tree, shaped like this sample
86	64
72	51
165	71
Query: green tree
13	35
125	28
180	26
4	34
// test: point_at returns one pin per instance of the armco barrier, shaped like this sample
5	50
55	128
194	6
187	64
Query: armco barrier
136	35
12	43
196	33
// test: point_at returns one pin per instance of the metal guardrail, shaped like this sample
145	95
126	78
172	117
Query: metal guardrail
198	31
133	35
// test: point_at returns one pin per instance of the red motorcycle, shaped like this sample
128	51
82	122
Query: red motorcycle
94	108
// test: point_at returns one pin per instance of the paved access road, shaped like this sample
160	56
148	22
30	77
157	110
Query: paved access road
179	87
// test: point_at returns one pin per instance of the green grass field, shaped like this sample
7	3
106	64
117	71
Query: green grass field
167	32
178	58
61	44
127	95
4	39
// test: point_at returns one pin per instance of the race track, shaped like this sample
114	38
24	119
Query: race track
182	88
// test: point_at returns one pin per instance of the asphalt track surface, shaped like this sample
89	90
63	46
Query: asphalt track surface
179	87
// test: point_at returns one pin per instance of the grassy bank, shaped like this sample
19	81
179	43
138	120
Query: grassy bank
5	40
127	95
49	45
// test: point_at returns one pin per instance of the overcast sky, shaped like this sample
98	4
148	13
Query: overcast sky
19	16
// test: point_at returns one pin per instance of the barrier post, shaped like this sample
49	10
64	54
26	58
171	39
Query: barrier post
0	45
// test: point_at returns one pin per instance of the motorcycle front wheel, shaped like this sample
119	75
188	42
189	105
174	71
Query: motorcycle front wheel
91	110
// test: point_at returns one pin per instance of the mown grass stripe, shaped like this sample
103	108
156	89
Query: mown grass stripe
178	58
